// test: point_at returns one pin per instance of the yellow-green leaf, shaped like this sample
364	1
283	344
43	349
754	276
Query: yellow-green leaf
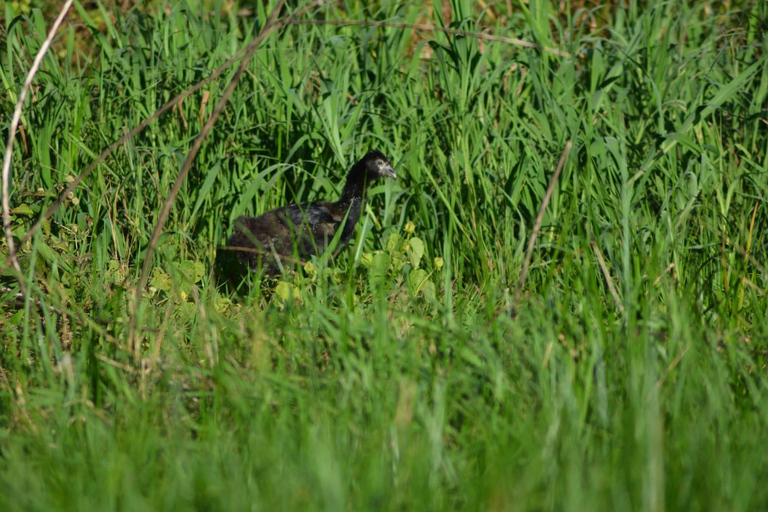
417	278
393	242
284	290
160	279
22	209
416	251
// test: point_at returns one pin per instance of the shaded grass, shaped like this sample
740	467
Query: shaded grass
394	379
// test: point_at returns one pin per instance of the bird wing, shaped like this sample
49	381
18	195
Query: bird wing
312	218
301	229
310	213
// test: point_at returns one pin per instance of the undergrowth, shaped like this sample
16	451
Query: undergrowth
626	371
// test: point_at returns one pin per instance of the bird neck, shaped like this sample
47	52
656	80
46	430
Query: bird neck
355	187
352	200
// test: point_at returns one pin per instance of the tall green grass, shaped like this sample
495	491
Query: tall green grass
629	372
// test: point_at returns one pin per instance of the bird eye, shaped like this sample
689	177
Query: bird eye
379	163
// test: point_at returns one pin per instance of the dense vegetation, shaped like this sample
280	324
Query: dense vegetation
626	371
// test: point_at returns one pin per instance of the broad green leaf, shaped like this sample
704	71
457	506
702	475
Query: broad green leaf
416	251
22	209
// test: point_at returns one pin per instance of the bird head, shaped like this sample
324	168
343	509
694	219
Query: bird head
378	166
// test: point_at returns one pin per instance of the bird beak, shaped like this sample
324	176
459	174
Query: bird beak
388	172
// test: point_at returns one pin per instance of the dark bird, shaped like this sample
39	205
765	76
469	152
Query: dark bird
298	231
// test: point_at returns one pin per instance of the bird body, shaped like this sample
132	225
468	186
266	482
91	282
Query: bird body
299	231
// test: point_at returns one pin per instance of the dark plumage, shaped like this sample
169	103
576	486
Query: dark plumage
301	230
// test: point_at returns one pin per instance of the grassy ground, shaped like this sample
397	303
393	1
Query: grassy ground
628	372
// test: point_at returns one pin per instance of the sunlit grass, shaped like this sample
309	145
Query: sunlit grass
410	372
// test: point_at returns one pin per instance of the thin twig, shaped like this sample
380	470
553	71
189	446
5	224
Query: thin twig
540	218
197	144
78	316
12	135
432	28
750	258
754	286
749	247
607	276
19	299
656	281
